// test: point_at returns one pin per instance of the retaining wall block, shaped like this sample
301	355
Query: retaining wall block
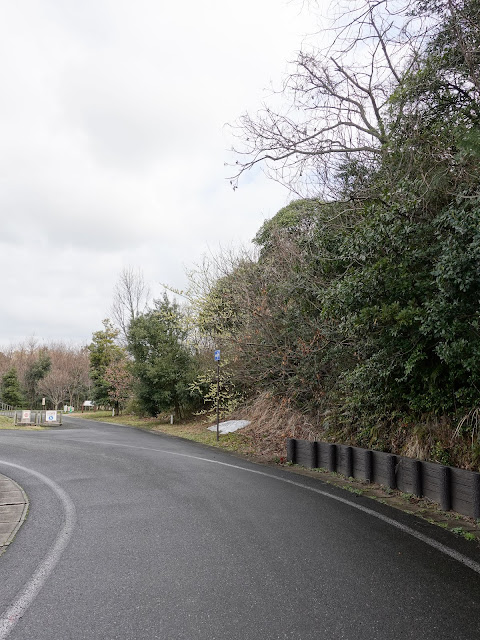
304	453
409	476
291	450
445	489
368	465
417	479
313	455
392	479
323	453
450	487
433	479
462	490
358	462
384	469
476	495
332	457
349	461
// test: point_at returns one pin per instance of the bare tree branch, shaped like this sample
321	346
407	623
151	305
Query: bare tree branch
130	298
334	102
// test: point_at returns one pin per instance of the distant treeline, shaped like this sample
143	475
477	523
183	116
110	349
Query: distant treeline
58	372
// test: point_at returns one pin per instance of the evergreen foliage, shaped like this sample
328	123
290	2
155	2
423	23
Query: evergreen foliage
163	365
11	393
369	306
36	372
104	350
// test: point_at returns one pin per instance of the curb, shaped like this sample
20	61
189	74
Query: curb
11	519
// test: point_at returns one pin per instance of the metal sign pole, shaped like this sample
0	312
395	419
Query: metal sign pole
218	400
217	360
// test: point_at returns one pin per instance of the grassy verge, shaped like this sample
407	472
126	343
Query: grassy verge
7	423
194	430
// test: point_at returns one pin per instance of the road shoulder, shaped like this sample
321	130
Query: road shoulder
458	525
13	510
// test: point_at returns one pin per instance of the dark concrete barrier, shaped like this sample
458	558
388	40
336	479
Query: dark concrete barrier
453	489
306	453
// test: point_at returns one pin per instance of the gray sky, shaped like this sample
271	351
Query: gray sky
113	145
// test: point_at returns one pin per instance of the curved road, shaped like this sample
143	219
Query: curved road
137	536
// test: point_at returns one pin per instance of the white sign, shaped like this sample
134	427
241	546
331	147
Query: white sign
43	402
26	417
50	416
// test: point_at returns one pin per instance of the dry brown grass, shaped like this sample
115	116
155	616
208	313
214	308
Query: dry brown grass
7	423
272	421
432	438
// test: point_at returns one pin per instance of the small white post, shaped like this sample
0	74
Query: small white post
171	418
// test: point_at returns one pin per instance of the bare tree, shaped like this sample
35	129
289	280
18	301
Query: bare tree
54	386
68	379
22	355
5	364
130	298
334	105
77	369
463	18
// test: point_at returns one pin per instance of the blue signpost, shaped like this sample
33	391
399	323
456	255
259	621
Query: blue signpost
217	360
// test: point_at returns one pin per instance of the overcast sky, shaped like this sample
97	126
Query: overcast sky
113	145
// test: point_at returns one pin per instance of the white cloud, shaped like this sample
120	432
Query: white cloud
113	145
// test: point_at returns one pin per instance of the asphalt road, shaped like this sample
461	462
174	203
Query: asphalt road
138	536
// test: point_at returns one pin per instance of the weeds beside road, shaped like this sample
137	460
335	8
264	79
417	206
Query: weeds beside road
7	423
196	430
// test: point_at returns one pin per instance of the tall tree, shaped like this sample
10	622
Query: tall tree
130	299
120	383
54	386
103	351
78	375
11	392
35	372
333	105
163	364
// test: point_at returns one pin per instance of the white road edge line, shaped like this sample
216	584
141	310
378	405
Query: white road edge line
456	555
28	593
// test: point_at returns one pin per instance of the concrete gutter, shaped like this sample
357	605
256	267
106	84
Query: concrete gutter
13	510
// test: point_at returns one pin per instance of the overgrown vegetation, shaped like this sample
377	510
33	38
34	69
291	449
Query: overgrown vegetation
361	309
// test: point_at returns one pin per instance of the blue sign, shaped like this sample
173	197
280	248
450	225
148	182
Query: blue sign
217	355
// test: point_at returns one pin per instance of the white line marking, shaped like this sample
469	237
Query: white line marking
29	592
475	566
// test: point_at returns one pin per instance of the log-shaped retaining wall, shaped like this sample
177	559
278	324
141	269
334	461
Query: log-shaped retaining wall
452	488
